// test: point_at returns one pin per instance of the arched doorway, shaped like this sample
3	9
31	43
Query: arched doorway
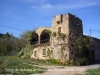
44	37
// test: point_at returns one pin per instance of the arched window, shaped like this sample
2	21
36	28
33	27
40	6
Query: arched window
44	37
34	38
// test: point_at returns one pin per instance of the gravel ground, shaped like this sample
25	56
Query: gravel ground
67	70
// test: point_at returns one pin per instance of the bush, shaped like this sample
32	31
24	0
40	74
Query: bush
54	61
82	61
66	62
54	34
48	31
26	52
59	61
26	57
15	57
61	35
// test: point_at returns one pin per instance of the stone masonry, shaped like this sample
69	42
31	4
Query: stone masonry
72	27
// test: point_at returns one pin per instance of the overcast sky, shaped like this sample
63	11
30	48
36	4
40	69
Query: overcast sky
30	14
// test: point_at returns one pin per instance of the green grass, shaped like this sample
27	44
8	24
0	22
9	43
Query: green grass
12	65
92	72
44	62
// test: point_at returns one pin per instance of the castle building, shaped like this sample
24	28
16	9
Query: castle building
54	42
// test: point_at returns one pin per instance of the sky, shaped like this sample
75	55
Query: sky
17	16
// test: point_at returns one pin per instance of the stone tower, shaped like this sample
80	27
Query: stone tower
69	25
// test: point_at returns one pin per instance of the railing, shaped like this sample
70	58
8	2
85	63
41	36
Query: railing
44	41
35	42
41	43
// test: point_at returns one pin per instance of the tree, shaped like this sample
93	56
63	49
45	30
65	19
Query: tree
81	54
26	36
9	45
26	51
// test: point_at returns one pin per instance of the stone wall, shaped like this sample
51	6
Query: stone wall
39	54
95	46
62	22
68	24
75	30
72	27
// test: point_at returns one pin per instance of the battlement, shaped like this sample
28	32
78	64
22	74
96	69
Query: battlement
59	18
67	21
73	18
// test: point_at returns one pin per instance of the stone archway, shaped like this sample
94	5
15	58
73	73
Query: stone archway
44	37
34	39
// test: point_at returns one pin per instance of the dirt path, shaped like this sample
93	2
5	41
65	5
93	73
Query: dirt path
64	70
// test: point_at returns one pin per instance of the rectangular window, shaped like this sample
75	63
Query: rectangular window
44	51
35	53
59	29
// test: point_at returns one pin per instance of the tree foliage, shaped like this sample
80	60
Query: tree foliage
48	31
61	35
54	34
26	36
9	45
26	51
81	55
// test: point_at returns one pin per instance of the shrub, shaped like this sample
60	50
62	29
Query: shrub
48	31
61	35
54	61
82	61
66	62
26	52
14	56
54	34
59	61
26	56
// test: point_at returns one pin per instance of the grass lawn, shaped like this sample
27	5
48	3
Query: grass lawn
44	62
92	72
12	65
